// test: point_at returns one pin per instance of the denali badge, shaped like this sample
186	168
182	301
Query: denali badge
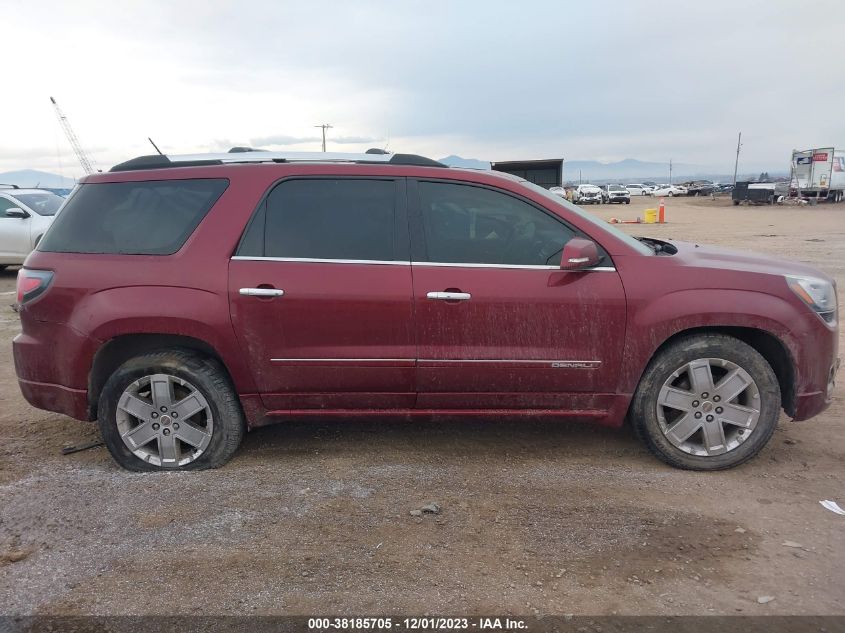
576	364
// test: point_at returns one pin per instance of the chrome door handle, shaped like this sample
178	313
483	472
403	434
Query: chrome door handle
261	292
449	296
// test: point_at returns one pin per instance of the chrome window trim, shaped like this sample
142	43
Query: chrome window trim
468	265
317	260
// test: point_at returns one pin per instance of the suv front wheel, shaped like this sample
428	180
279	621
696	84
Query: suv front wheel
707	402
170	410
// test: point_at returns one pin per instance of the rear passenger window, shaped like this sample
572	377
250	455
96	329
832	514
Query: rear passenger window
331	219
132	218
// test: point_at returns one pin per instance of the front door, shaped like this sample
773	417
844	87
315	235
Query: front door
321	300
499	325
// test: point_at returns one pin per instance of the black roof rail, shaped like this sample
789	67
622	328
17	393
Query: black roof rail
249	155
3	184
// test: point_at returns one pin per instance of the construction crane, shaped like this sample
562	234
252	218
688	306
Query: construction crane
84	160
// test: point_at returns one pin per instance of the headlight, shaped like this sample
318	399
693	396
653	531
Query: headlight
818	294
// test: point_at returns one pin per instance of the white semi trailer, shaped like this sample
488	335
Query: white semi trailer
819	173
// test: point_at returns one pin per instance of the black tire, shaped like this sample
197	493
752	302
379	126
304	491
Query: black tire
644	416
210	379
736	203
627	202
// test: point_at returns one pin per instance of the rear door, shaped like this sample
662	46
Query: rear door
320	293
499	325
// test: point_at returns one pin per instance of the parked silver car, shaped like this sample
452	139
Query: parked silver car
25	214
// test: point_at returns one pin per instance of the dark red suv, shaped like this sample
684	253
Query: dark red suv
181	301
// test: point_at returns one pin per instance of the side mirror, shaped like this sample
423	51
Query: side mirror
15	212
579	254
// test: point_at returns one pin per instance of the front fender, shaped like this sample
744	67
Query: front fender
654	322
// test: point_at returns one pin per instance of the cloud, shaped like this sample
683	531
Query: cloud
474	78
349	140
283	139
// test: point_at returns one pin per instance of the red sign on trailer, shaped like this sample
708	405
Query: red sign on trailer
820	157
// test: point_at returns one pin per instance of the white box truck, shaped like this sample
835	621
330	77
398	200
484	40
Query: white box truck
819	173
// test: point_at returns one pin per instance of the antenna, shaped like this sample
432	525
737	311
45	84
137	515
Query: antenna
87	163
156	146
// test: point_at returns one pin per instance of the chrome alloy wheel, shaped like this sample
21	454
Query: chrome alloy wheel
164	420
708	406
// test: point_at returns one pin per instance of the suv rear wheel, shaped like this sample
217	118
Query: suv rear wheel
170	410
707	402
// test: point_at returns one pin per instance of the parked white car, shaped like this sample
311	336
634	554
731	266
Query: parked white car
585	194
669	190
638	189
25	214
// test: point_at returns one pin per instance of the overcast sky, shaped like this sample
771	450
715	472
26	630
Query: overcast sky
494	80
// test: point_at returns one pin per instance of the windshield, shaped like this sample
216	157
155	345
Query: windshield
616	188
42	203
589	217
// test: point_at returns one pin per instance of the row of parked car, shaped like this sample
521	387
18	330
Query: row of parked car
595	194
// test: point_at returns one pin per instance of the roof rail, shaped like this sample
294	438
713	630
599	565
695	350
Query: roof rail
248	155
3	184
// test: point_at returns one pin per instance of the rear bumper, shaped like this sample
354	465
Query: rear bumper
64	400
52	364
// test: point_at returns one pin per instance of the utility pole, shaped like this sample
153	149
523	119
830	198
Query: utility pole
736	164
579	177
324	126
670	171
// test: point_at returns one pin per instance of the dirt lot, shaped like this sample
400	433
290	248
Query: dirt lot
313	517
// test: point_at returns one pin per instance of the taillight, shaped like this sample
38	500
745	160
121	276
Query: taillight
32	283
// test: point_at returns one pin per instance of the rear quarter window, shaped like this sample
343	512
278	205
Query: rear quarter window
132	218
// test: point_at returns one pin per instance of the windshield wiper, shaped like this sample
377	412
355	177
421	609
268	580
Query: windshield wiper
654	245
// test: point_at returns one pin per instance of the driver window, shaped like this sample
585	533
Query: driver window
471	225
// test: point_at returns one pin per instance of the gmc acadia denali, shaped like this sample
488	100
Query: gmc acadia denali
183	300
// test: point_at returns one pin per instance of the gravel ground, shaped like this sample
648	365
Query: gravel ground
313	517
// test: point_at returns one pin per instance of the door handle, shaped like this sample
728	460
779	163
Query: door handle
449	296
261	292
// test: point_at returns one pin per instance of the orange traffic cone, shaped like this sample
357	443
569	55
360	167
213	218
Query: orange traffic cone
661	214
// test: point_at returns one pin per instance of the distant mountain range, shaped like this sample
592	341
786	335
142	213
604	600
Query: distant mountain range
630	169
35	178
